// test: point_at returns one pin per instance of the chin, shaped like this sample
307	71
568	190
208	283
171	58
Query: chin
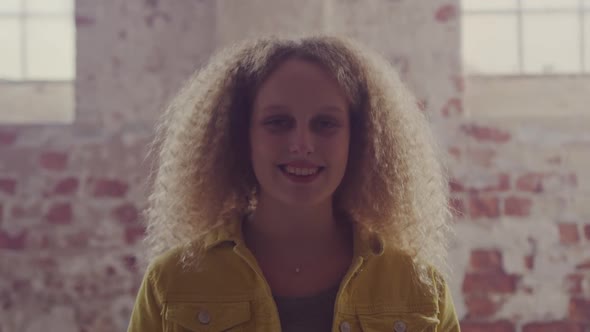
304	200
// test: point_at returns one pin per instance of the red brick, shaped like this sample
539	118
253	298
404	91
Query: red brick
53	161
446	13
454	106
457	207
579	309
29	211
587	232
21	285
502	184
529	262
130	262
584	265
133	234
108	188
499	326
456	186
496	282
110	271
486	260
59	213
555	326
13	242
455	152
531	182
487	207
77	240
517	206
479	306
7	138
126	213
66	186
568	233
573	283
8	186
486	134
482	156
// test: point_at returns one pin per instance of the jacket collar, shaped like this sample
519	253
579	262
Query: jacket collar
365	245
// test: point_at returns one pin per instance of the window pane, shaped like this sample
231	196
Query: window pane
10	36
488	5
50	49
550	4
541	34
53	6
10	6
490	44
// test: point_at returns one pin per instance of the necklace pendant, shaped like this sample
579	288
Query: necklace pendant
297	270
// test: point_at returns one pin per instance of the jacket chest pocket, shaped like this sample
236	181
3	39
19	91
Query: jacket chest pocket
399	322
207	316
389	321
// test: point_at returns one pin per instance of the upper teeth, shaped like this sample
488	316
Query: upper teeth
301	171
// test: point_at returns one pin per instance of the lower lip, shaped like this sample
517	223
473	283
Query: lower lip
301	178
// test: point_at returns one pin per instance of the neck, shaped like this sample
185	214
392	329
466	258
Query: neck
277	223
280	221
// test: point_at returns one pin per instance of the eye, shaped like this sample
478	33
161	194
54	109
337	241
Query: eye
277	123
326	124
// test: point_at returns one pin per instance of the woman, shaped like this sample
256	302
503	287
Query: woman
298	189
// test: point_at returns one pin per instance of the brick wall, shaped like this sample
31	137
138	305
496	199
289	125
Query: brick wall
70	194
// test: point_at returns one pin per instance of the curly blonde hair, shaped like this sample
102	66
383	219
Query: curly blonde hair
394	184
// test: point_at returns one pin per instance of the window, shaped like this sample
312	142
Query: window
526	58
526	37
38	61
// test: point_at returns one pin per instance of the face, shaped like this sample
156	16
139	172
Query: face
299	134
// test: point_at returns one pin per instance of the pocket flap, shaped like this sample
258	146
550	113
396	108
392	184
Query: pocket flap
398	322
208	316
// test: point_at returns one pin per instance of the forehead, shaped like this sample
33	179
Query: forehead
302	83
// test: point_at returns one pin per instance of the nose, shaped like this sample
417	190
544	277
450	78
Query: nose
301	141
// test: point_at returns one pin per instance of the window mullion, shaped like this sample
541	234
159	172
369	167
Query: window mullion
582	17
23	40
520	37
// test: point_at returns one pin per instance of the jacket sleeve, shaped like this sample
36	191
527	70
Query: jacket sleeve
147	311
447	315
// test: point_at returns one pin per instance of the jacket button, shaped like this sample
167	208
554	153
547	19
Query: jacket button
204	317
399	326
345	327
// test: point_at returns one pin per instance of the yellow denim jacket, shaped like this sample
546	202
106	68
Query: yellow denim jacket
229	293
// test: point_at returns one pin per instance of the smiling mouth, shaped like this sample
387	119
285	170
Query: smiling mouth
301	171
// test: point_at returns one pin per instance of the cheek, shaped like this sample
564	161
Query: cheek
261	149
342	148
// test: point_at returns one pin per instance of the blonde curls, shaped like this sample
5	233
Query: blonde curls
394	184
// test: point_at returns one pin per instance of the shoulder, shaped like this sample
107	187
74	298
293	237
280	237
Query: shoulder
218	269
397	274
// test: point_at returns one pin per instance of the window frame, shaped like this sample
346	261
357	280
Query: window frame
582	11
23	15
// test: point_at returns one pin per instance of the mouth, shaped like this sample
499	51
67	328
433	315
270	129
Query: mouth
301	174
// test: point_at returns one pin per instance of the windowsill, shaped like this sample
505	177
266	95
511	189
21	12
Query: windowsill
37	102
527	96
